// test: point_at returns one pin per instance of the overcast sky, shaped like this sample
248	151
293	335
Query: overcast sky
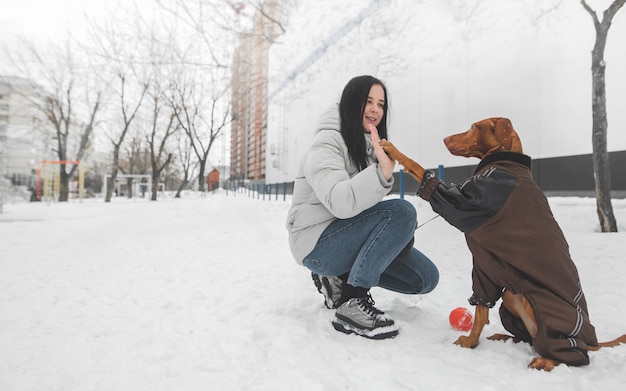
39	19
44	20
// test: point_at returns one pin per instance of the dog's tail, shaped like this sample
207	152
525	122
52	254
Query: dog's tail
616	342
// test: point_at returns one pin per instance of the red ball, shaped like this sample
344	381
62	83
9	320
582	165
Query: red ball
461	319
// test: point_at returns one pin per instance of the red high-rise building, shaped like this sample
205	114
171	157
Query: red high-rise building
249	99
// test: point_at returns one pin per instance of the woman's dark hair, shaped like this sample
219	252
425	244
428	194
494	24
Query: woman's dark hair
351	110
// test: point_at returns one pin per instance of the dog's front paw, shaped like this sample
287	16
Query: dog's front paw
500	337
504	338
465	341
387	146
543	364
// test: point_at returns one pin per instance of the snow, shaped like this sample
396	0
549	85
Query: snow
201	293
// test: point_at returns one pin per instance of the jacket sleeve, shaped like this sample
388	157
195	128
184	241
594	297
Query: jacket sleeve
470	204
344	196
485	289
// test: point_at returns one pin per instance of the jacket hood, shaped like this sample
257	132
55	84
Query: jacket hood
330	119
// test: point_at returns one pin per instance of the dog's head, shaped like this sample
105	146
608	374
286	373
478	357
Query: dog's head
485	137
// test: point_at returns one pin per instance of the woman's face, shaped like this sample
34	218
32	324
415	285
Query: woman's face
374	107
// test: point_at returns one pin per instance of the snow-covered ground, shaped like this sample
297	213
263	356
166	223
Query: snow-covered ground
201	293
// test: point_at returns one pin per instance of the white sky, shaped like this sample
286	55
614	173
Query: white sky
41	19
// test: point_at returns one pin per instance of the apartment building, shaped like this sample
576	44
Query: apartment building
249	99
22	145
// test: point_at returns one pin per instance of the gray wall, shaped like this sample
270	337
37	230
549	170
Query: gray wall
568	175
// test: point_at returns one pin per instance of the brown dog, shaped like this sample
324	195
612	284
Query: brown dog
519	251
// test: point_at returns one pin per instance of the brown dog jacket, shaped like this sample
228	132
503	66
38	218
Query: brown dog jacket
516	244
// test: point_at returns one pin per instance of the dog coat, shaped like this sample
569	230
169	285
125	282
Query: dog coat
516	244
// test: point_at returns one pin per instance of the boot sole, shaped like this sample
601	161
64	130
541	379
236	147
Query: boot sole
384	332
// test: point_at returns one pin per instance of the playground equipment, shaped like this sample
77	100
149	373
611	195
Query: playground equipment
49	179
140	184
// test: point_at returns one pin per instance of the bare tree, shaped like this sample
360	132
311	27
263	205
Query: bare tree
162	126
128	113
115	43
202	117
187	165
70	100
601	166
217	23
137	159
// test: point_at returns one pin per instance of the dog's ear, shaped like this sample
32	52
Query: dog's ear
506	135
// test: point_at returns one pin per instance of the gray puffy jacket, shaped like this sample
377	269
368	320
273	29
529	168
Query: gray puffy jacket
329	186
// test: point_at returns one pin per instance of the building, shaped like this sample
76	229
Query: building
21	125
249	100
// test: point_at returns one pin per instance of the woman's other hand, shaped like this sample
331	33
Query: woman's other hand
384	161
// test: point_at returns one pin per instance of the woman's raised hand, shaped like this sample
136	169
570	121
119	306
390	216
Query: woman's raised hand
385	162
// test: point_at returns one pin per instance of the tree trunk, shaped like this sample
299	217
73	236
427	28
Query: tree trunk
155	185
116	160
601	166
64	188
201	179
184	183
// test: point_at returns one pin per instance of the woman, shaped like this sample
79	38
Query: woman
339	226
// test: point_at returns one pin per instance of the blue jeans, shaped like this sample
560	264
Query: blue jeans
369	246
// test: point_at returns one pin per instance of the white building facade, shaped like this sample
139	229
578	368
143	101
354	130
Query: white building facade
22	144
446	64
